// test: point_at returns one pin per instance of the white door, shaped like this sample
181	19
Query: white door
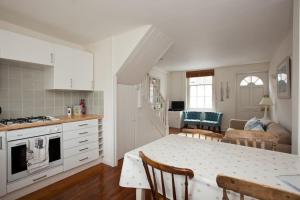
126	122
251	87
23	48
3	162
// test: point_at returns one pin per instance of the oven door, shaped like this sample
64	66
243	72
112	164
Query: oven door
17	159
55	149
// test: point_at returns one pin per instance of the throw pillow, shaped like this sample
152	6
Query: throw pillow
254	124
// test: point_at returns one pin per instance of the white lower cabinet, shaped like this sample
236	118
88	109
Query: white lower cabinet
2	163
81	143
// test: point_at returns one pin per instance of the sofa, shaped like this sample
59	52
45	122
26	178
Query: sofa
211	120
284	143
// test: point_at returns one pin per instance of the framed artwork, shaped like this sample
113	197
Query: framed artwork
283	79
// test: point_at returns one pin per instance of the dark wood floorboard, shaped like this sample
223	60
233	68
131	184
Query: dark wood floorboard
98	182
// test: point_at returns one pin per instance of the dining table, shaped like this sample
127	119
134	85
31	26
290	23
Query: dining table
208	159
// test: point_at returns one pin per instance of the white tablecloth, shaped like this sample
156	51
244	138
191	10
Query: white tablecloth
208	159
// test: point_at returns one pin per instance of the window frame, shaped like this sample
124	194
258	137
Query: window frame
213	95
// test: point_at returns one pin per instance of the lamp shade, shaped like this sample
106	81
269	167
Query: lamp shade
266	101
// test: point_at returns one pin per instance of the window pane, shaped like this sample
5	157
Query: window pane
248	79
193	102
208	90
207	80
200	90
208	102
200	102
194	81
193	91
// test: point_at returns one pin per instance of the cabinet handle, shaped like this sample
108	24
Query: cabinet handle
52	58
83	124
37	179
84	159
83	133
84	149
1	147
83	141
71	83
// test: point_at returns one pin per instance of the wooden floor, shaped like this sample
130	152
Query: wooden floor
99	182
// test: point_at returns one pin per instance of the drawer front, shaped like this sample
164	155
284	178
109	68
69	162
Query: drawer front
80	125
81	141
68	135
75	161
33	179
80	149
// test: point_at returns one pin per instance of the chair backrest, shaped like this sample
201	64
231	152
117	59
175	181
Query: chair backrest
213	116
147	162
251	189
193	115
205	134
253	138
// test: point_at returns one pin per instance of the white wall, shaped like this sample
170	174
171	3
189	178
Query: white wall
105	80
295	79
177	86
18	29
281	111
162	75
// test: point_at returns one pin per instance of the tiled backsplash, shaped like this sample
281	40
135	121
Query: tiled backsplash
22	93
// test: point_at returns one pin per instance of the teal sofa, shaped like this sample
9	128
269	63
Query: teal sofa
209	120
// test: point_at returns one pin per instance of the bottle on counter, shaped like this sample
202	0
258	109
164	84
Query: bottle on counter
69	111
83	107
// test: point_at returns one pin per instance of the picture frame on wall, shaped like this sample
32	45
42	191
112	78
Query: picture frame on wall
283	79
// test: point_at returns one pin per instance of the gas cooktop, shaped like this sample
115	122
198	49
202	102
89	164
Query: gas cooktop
25	120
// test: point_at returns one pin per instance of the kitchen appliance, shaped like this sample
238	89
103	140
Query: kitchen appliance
26	120
32	150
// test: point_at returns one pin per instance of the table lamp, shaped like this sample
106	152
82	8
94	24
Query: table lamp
266	101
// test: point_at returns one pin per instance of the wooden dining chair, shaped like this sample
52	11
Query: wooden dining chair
254	190
208	135
256	139
147	162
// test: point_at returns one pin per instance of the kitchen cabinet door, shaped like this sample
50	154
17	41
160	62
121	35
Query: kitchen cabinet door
63	68
83	70
19	47
3	163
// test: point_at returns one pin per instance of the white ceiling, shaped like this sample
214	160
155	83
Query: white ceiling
206	33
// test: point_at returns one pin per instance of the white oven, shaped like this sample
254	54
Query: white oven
33	150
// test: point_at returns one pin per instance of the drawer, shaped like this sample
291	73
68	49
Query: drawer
68	135
33	179
75	161
80	149
81	141
80	125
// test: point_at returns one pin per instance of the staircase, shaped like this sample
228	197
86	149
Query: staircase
155	104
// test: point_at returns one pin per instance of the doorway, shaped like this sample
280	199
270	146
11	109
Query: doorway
251	87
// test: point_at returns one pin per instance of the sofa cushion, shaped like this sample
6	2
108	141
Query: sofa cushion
284	135
192	120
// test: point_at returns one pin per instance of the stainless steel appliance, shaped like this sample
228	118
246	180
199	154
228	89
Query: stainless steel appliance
19	150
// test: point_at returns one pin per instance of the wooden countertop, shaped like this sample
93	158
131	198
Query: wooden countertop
60	120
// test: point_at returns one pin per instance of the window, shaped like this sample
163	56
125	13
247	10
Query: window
200	92
251	80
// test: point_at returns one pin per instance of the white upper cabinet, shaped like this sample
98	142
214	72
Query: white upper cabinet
72	69
27	49
82	78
